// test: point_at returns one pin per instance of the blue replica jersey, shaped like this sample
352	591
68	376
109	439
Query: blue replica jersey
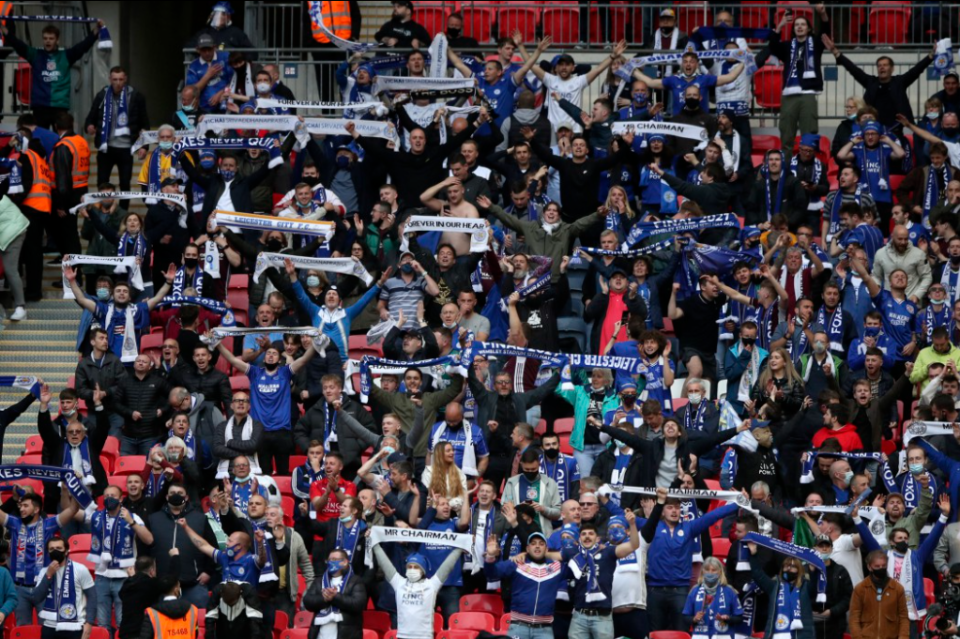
875	170
677	85
500	95
242	570
899	319
118	324
458	439
270	397
436	554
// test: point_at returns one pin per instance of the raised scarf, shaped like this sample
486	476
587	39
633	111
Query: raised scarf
61	602
112	546
123	118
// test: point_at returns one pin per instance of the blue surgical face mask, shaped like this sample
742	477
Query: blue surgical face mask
933	115
103	294
346	519
640	97
916	469
617	535
711	579
232	551
872	331
568	542
407	268
343	162
242	480
227	175
390	450
848	477
313	281
166	145
333	567
208	164
852	117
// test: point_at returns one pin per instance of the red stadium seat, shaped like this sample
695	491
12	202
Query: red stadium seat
280	621
99	633
80	544
491	604
130	465
120	481
522	19
617	18
678	403
458	634
888	447
294	633
35	460
800	9
564	426
858	15
754	15
34	445
152	345
284	485
239	383
562	24
297	460
565	446
478	20
377	622
721	548
433	19
390	635
289	506
692	14
669	634
929	591
768	87
889	23
26	632
222	364
764	143
303	619
358	347
437	622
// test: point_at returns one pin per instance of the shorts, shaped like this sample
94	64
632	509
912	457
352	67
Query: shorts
709	361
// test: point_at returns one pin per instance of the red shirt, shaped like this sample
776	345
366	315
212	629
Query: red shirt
332	511
847	436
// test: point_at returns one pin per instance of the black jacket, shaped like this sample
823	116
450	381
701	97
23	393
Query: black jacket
351	602
162	221
138	593
240	190
278	556
597	312
243	625
136	112
782	49
793	205
89	374
839	593
236	447
54	435
312	426
393	346
214	385
713	199
163	525
890	98
173	608
145	397
579	183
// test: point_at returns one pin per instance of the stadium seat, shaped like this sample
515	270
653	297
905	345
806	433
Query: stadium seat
491	604
478	20
80	544
889	23
768	87
284	485
120	481
288	505
754	15
458	634
669	634
26	632
692	14
303	619
564	426
377	621
222	364
111	447
99	633
297	461
130	465
239	383
565	446
679	402
765	142
523	19
437	622
390	635
562	24
721	548
616	29
433	18
294	633
35	460
929	591
280	621
152	345
358	347
34	445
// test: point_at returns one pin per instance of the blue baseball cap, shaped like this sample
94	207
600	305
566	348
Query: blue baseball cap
872	125
811	140
223	6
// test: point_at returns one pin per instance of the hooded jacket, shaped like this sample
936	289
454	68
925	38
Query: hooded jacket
525	118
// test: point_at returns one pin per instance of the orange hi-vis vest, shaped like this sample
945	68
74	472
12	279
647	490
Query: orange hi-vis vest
81	159
40	196
6	8
336	17
166	628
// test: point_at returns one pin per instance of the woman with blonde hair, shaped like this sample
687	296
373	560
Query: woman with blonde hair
779	384
443	476
845	129
712	607
789	608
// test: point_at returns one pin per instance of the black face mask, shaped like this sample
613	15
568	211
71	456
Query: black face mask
190	262
271	367
551	453
57	556
901	547
629	400
312	181
274	246
950	131
692	104
880	575
748	341
666	30
454	33
532	477
176	500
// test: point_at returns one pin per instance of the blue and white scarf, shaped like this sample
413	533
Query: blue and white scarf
177	301
585	565
529	289
629	365
834	228
48	473
934	188
633	254
84	447
934	319
180	283
123	118
691	423
643	230
773	202
806	469
27	383
267	572
140	245
815	179
61	603
834	327
231	144
114	546
190	440
748	602
23	534
809	59
797	552
15	177
437	368
689	511
105	43
347	538
506	351
331	614
712	605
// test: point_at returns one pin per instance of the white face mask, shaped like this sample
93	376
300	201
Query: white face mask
414	575
695	398
263	87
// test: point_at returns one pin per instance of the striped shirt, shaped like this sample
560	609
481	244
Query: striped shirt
401	296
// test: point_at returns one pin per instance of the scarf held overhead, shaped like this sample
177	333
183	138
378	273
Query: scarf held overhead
476	229
129	265
342	266
253	222
100	196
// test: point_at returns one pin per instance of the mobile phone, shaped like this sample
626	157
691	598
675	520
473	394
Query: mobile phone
626	318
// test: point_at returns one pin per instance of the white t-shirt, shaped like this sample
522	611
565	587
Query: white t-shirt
849	557
82	581
225	203
102	569
415	606
570	90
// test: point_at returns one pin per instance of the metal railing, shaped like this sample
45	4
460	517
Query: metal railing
598	24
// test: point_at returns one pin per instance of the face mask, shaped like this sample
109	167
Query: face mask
103	294
819	348
711	579
206	165
950	131
312	181
640	97
617	535
232	551
343	162
933	115
852	116
916	469
414	575
901	547
692	103
274	246
880	575
333	567
390	450
666	30
824	555
69	413
308	205
271	368
227	175
57	556
110	503
188	108
346	519
955	259
176	500
872	331
695	398
166	146
407	268
454	33
848	477
263	87
313	281
629	400
748	341
551	453
190	262
789	576
532	477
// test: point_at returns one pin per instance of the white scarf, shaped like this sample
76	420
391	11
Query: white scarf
211	259
750	375
223	470
735	151
121	264
341	265
550	228
914	609
249	89
475	228
92	198
469	467
951	281
128	352
324	230
658	46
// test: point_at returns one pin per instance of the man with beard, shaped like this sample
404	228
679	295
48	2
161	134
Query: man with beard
848	192
878	606
775	191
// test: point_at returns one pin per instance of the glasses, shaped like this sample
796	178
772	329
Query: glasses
74	432
503	382
584	504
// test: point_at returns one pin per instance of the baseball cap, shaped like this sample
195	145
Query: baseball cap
668	13
405	3
171	182
206	41
619	271
566	57
823	539
537	535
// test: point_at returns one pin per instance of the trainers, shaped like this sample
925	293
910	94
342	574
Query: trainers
19	313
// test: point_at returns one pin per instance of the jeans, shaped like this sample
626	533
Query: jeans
448	599
276	446
587	457
11	268
665	608
631	624
589	627
197	594
25	609
131	446
108	598
523	631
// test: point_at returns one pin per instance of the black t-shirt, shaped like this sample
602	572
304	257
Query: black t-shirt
404	32
697	329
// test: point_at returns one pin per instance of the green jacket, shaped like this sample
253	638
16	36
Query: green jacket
579	398
914	522
98	245
400	405
12	222
51	71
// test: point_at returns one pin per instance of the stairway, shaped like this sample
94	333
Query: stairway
44	344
